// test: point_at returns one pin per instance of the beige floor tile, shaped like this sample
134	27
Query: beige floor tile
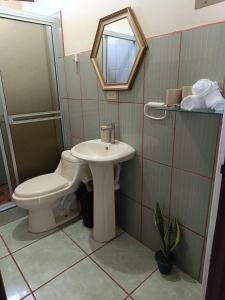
176	286
84	281
128	261
16	234
14	283
46	258
3	249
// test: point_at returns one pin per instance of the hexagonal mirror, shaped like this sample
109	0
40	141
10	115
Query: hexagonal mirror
118	49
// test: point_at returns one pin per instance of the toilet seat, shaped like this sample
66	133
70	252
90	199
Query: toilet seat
41	185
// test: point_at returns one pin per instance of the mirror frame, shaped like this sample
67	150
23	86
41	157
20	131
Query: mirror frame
140	38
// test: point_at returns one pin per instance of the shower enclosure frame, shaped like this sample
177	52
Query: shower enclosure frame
54	25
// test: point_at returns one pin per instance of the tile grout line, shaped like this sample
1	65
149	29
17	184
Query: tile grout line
174	134
14	260
193	173
70	131
171	171
81	94
166	216
179	61
193	231
109	276
180	169
213	171
210	196
57	275
142	149
4	256
89	256
98	104
140	284
15	251
59	229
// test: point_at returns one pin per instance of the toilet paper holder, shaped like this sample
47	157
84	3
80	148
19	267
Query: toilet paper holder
156	105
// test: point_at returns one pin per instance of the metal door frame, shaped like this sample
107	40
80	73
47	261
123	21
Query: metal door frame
57	54
2	149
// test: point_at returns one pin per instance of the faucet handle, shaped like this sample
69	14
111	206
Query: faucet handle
107	126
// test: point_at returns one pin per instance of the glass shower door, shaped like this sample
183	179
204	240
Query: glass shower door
29	96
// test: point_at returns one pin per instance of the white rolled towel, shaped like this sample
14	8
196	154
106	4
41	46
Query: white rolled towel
210	91
193	102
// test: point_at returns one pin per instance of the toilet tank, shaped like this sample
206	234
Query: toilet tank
72	168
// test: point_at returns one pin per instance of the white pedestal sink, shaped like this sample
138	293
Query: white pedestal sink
101	158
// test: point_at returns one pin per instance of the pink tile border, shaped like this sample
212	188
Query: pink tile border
169	33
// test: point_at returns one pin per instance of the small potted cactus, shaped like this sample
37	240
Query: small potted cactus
170	238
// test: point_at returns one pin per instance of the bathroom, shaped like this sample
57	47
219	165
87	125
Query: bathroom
55	98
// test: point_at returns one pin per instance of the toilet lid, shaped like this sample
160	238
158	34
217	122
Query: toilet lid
41	185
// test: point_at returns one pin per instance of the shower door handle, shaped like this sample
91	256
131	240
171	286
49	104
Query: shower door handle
34	117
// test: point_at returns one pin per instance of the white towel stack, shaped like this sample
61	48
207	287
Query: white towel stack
206	96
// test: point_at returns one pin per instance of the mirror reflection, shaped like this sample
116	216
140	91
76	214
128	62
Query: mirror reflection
117	51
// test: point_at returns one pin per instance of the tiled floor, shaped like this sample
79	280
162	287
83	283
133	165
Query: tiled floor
69	264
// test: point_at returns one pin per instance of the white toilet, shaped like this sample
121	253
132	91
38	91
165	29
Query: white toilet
40	195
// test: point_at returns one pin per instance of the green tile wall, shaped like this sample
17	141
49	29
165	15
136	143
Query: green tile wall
176	156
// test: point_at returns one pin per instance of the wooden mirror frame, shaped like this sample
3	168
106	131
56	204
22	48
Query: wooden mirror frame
140	38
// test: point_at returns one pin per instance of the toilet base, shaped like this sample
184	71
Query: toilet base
41	220
45	220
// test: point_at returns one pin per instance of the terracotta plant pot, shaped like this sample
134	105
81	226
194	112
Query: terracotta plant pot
165	265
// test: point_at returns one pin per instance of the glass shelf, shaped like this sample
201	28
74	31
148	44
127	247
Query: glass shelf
205	112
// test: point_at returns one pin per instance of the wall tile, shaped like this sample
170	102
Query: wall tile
76	118
130	122
91	119
101	93
202	262
202	54
59	35
189	253
190	198
195	142
72	70
149	233
109	113
62	77
88	78
156	185
131	178
161	67
195	136
158	139
66	123
135	94
129	216
75	141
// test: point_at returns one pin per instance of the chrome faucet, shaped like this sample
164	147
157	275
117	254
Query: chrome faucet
107	132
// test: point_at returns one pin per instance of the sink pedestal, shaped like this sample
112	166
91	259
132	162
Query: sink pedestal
104	201
101	158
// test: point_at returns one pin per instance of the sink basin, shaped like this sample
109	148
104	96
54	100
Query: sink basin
97	151
101	158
